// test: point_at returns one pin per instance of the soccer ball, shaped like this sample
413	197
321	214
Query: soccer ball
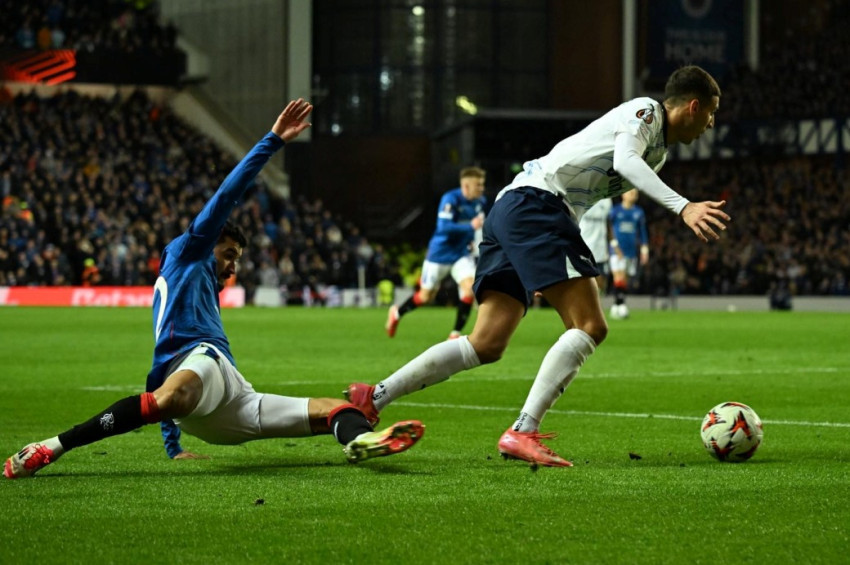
731	431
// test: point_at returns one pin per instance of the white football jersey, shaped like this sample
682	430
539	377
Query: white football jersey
579	169
594	229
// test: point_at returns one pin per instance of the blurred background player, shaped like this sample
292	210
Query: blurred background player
450	251
194	381
595	232
532	243
629	246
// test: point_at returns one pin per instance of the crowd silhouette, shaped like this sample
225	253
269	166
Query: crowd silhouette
93	188
85	25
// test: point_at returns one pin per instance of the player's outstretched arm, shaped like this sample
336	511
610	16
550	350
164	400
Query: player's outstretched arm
292	121
701	216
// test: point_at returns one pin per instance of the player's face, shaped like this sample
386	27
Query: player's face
472	187
227	254
702	118
630	197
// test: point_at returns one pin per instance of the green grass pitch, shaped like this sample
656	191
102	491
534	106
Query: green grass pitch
451	499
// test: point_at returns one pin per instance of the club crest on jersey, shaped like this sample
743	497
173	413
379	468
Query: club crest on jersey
646	114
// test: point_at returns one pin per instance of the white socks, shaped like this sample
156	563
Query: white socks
54	445
433	366
557	371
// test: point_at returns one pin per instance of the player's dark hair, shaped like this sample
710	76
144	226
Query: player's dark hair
691	82
234	232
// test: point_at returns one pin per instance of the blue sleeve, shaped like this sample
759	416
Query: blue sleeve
205	229
446	223
171	438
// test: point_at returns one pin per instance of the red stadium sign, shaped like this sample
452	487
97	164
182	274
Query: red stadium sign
117	296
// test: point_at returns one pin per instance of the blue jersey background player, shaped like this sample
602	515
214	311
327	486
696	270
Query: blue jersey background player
629	248
194	382
450	251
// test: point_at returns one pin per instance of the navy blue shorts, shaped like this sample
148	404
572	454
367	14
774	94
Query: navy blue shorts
531	242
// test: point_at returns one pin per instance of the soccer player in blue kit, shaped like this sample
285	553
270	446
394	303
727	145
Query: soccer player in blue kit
629	246
460	215
194	380
532	243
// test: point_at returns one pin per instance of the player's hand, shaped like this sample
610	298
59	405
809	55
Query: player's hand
190	455
477	222
702	217
291	121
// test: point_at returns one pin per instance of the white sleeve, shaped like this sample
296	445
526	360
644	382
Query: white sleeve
629	163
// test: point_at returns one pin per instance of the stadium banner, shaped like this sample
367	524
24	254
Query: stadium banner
117	296
709	33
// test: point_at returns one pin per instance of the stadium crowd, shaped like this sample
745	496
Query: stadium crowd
790	229
85	25
92	189
802	75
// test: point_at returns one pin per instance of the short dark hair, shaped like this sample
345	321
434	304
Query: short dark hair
691	81
234	232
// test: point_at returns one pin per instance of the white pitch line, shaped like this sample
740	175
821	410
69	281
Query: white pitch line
583	375
136	388
615	414
588	374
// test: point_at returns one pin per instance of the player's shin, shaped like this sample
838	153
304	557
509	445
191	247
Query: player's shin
124	416
464	308
433	366
559	368
347	422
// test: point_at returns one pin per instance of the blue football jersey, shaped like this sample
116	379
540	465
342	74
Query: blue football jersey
186	304
629	226
454	232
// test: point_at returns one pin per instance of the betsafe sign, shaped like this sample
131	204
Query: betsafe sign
708	33
120	296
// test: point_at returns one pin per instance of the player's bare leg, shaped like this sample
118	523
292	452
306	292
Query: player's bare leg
577	302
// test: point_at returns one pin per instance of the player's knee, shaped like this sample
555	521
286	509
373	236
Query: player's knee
425	295
597	330
176	402
489	351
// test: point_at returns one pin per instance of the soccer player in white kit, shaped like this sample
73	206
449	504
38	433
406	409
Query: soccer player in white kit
532	244
594	231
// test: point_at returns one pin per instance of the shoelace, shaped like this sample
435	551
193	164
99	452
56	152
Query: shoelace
537	436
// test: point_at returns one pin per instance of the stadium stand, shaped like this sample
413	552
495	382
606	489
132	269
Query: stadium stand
93	188
111	181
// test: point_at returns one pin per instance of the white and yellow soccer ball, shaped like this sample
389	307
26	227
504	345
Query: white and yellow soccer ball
732	432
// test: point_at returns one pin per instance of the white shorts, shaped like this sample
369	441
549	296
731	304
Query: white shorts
623	264
231	411
434	273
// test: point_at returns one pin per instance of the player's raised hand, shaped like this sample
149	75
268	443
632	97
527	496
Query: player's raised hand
701	217
292	121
